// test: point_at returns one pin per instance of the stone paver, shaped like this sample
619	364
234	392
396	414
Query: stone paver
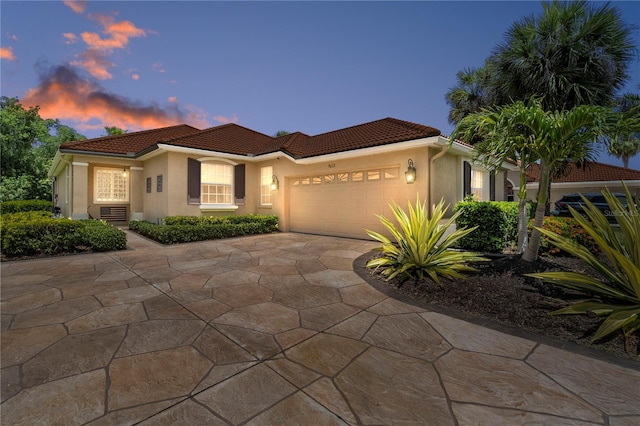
271	329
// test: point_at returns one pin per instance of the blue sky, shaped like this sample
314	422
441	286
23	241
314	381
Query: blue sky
297	66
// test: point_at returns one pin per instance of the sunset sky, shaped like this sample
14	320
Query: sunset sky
297	66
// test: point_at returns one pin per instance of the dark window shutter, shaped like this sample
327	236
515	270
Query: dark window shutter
492	186
193	186
238	181
467	178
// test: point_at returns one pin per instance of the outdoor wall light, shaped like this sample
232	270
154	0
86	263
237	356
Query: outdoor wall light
124	172
275	184
410	174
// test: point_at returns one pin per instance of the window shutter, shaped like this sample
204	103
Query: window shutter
467	178
193	186
238	181
492	186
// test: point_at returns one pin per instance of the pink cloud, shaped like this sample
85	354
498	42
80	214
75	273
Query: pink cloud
173	99
225	120
95	63
70	38
135	77
7	53
76	6
118	33
65	95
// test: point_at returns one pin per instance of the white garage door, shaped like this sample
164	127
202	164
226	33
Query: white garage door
344	204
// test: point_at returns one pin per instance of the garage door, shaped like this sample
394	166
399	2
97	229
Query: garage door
344	204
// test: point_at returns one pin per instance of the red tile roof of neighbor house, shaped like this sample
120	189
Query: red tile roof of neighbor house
235	139
127	143
592	172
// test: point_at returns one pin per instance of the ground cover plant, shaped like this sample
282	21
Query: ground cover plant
182	229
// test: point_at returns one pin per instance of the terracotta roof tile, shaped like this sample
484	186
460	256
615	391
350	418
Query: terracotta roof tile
234	139
593	172
375	133
229	138
134	142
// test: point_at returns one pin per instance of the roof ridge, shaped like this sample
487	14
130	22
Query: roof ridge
139	132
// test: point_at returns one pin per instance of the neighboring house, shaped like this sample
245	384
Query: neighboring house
334	183
592	178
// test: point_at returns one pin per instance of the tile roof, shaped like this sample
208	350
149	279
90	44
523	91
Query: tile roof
593	172
234	139
229	138
128	143
376	133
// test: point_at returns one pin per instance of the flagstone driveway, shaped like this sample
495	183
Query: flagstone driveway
271	329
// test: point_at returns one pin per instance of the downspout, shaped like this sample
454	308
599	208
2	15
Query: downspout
443	151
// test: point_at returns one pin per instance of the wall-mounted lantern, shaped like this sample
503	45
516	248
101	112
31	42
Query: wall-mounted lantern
124	172
410	174
275	184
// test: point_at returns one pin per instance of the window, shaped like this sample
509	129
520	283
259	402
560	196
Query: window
266	176
357	176
343	177
329	178
111	185
148	185
159	183
216	182
392	173
373	174
476	184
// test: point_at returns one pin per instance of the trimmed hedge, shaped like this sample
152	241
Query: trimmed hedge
182	229
490	236
25	206
36	233
568	227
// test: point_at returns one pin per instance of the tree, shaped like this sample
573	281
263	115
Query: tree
623	144
574	53
280	133
28	144
473	92
501	137
114	131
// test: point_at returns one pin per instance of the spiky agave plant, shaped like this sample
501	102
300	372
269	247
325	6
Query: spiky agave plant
421	248
615	296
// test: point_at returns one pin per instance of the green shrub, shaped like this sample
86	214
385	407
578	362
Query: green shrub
510	210
101	236
40	235
614	295
25	206
567	227
421	248
35	233
490	221
182	229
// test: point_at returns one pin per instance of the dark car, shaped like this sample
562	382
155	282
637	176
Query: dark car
598	200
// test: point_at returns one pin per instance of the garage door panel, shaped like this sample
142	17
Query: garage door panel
343	209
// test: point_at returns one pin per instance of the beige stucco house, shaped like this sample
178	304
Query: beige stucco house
594	177
334	183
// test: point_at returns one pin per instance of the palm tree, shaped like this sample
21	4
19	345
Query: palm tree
625	145
528	133
502	137
472	93
573	54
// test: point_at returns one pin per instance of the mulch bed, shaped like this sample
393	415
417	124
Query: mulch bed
499	294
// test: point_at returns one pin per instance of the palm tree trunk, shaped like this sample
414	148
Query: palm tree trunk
531	253
522	212
625	161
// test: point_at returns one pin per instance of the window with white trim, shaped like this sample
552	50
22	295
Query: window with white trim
216	183
476	184
266	176
111	185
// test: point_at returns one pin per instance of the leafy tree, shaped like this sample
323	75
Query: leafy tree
626	144
280	133
28	144
502	137
473	92
573	53
114	131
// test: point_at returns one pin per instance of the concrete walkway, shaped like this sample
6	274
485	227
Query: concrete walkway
265	330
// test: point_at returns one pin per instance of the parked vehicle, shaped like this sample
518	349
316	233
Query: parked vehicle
598	200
